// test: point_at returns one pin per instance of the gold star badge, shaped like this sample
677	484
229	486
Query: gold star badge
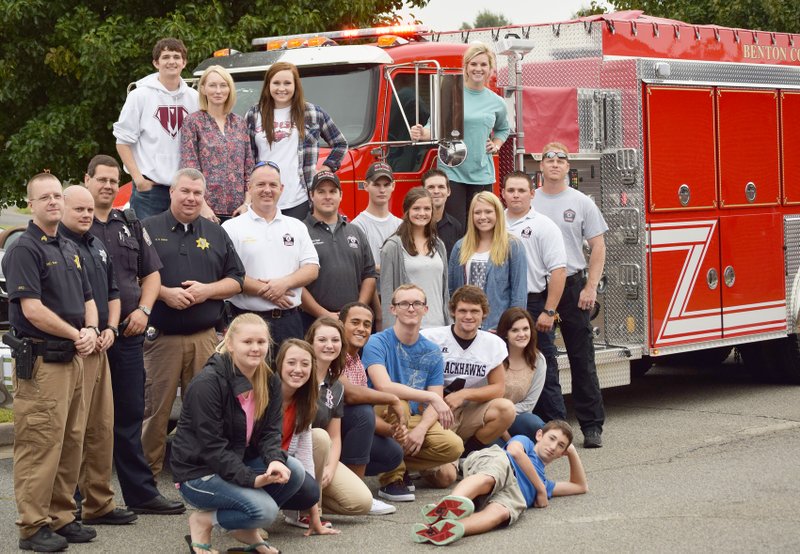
202	243
77	261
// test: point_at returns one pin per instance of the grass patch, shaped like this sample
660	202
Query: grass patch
6	415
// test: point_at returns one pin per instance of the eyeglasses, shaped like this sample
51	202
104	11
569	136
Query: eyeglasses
268	163
106	180
48	197
560	155
404	305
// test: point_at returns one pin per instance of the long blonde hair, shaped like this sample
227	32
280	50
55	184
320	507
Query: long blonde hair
500	250
263	372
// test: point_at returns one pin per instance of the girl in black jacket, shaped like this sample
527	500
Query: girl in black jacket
226	455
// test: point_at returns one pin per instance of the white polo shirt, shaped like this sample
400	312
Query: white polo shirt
269	250
475	363
543	244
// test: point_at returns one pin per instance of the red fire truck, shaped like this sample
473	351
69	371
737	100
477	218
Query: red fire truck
686	136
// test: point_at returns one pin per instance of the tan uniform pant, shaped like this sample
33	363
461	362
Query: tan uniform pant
346	494
48	437
169	361
440	446
98	442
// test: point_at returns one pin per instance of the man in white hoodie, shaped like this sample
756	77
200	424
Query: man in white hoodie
149	128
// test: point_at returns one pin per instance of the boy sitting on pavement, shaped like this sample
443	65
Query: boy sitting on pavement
503	483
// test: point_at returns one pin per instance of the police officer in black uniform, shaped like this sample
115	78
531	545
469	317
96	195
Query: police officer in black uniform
202	269
54	318
135	266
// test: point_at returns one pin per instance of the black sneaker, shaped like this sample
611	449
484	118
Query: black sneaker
44	540
408	482
592	439
75	532
117	516
396	491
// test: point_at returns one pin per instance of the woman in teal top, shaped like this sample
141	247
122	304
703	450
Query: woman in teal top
485	129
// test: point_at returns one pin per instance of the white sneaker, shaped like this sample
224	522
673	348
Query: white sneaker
380	508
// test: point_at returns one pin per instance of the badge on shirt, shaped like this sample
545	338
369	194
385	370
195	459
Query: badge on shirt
202	243
288	240
104	257
526	233
569	216
352	242
77	260
126	231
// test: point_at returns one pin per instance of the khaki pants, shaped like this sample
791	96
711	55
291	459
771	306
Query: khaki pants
169	361
98	442
440	446
346	494
48	437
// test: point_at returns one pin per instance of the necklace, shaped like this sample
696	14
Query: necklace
517	368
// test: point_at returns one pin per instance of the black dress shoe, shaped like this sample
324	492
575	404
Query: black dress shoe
75	532
159	505
117	516
44	540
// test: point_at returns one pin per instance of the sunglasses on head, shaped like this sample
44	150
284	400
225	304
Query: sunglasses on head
552	154
267	163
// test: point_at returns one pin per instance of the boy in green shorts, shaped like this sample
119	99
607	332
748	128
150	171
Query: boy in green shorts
503	482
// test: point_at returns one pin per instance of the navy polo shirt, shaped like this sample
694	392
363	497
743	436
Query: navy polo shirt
449	230
97	264
345	260
125	243
50	269
200	251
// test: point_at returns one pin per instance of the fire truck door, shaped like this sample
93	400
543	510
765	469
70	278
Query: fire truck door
790	143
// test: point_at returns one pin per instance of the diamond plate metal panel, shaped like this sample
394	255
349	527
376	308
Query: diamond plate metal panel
721	73
791	240
610	373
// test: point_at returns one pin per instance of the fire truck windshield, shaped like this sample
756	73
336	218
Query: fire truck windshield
347	93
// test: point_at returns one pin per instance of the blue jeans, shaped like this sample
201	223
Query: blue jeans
360	444
240	507
524	424
551	402
151	202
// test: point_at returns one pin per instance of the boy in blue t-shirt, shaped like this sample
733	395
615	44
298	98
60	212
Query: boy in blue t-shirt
506	482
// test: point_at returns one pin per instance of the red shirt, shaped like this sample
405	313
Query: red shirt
288	425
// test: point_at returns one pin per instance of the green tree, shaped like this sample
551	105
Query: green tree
766	15
593	8
486	18
65	65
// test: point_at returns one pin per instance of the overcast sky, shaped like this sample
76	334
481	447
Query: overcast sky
447	15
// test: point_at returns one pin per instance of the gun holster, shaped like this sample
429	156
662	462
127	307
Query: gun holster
22	350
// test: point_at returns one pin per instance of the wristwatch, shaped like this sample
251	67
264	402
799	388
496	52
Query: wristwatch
145	309
114	330
96	330
551	313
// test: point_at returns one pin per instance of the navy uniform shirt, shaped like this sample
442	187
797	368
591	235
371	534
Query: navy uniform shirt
125	243
345	260
449	230
50	269
202	253
97	265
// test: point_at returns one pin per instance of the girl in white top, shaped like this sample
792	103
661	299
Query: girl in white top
299	388
525	370
415	254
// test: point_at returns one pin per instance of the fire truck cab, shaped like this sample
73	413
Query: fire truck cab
682	134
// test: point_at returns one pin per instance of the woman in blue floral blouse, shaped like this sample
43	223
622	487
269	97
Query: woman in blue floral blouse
214	140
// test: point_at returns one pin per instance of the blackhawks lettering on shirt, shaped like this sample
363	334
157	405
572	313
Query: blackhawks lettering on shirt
474	364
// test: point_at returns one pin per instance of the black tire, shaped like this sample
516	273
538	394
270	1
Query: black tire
703	359
784	355
640	367
758	358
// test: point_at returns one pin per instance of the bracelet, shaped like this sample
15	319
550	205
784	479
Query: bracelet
114	330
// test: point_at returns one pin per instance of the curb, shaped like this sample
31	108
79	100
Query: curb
6	434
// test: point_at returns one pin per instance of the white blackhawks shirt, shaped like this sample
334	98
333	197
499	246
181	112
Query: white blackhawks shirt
474	364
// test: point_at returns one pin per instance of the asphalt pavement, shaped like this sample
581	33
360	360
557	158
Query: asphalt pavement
694	461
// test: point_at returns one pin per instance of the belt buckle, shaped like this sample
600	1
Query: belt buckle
276	313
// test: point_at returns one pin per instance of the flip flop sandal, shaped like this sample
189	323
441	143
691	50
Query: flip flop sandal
193	545
449	507
251	547
441	533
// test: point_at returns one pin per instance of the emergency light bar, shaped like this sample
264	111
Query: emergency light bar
406	31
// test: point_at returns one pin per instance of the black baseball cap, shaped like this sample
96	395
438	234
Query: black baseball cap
325	176
379	169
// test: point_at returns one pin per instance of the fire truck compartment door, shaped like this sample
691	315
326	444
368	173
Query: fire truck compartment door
681	168
685	298
790	116
749	164
754	294
546	109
